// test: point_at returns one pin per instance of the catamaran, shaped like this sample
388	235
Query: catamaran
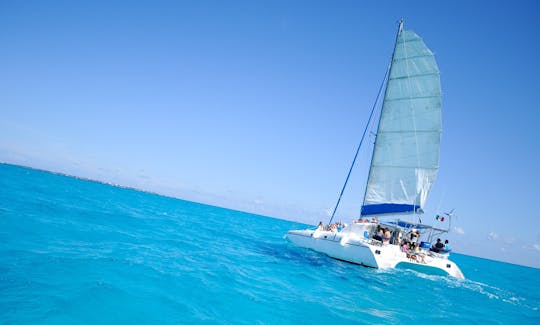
404	165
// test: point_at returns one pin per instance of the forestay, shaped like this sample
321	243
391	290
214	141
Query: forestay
406	154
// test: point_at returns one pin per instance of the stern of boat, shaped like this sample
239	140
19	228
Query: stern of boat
438	266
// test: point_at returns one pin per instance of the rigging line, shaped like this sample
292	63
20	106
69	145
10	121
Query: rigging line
360	144
440	202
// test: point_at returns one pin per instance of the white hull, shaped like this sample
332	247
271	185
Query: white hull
352	246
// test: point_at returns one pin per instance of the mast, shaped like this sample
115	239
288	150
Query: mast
400	29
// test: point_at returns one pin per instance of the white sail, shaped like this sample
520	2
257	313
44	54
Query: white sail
406	154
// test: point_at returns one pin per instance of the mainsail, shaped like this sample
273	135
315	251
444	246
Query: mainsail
406	154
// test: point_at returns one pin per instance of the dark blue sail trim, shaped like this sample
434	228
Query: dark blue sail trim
386	208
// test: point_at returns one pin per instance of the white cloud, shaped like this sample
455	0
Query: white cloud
501	239
533	247
459	230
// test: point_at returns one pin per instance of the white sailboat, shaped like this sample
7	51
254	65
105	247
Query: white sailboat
403	168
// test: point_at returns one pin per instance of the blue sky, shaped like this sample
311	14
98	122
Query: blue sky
259	105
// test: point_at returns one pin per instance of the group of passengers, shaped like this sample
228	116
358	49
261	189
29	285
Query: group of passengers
383	234
337	226
410	246
412	250
439	247
365	220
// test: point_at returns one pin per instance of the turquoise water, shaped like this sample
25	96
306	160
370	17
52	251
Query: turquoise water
74	251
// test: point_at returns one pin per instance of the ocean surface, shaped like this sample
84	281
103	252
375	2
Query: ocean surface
80	252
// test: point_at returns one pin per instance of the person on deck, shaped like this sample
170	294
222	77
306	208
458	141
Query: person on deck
411	252
405	248
386	236
447	247
378	236
414	235
439	246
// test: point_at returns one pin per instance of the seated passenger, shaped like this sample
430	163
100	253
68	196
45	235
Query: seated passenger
439	246
340	225
410	253
405	247
414	254
447	247
420	258
387	235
